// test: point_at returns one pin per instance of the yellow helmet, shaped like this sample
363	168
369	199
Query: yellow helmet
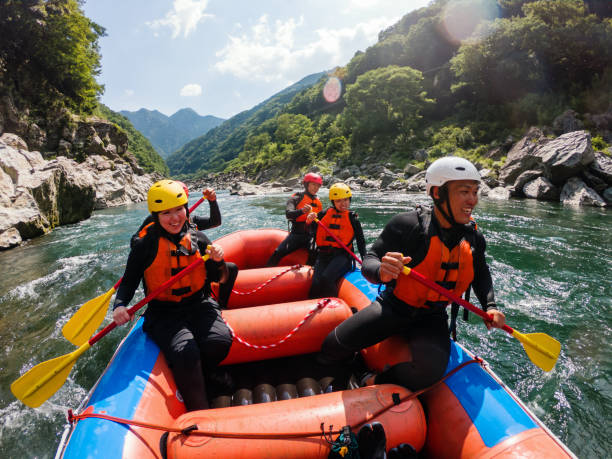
165	194
339	191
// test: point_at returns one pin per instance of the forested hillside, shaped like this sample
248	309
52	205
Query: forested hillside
168	133
455	77
212	151
49	61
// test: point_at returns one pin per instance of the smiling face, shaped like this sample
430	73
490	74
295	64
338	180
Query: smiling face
172	220
342	205
462	198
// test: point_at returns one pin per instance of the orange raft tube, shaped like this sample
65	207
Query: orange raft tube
281	398
285	428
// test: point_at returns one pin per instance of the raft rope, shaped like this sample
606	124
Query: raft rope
320	305
193	429
291	268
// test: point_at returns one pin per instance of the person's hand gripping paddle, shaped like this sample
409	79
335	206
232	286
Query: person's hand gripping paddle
88	318
41	382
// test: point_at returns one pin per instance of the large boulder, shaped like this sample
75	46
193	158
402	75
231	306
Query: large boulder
602	167
567	155
541	188
522	157
576	193
500	193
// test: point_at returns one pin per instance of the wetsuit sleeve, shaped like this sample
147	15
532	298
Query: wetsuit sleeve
291	211
214	220
483	283
359	238
134	271
399	235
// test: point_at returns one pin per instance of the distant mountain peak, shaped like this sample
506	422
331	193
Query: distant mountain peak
168	133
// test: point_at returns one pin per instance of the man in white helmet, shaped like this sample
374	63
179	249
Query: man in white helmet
444	245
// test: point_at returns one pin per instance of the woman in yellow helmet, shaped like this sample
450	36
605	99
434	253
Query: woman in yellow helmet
184	320
332	260
202	223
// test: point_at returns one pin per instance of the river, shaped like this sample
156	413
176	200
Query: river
551	267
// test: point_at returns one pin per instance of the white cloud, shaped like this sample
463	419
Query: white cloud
184	17
269	52
129	92
191	90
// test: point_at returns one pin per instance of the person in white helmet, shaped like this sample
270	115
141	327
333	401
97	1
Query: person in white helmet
444	245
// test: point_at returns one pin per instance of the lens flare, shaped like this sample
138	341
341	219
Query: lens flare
332	90
462	17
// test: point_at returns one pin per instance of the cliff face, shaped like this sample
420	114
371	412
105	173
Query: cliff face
83	165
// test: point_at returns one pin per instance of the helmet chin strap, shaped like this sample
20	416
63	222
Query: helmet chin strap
449	217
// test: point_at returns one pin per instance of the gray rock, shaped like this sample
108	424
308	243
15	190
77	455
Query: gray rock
521	157
36	195
598	184
567	122
9	238
411	170
416	182
567	155
484	189
576	193
521	180
496	153
602	167
541	188
500	193
607	195
489	177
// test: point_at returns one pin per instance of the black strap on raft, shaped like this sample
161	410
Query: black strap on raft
344	446
455	312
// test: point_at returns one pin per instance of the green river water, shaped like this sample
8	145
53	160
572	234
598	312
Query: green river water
551	267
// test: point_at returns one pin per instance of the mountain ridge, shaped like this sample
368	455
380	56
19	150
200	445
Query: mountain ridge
168	133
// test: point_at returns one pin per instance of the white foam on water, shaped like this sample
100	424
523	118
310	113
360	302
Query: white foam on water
37	287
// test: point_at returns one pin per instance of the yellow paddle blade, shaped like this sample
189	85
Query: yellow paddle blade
87	319
41	382
543	350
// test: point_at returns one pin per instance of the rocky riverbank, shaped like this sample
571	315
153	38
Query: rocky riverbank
564	168
38	194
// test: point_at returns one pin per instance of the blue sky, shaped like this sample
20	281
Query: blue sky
221	57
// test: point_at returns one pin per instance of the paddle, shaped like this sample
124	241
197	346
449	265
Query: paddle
542	350
42	381
338	240
88	318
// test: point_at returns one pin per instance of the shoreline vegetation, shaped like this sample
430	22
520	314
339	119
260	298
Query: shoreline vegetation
524	93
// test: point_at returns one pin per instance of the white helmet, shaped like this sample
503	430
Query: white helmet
450	168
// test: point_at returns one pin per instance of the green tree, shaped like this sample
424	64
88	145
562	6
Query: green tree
385	101
555	47
50	54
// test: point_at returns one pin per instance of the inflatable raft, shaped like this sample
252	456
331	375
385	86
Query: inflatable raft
281	403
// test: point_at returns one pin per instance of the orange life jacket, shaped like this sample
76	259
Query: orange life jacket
452	269
315	203
170	260
339	224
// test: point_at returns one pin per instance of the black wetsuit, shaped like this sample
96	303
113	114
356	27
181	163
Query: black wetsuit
190	333
332	263
425	329
204	223
300	235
